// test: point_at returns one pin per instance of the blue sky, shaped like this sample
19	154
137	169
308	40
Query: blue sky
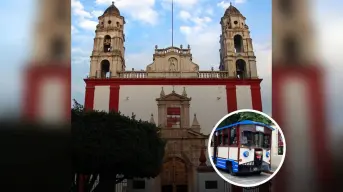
148	23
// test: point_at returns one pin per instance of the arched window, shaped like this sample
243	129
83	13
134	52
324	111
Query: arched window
238	41
290	49
105	69
240	69
107	43
57	48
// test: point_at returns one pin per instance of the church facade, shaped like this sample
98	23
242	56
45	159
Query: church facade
175	94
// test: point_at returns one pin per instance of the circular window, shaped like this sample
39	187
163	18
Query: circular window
109	21
235	22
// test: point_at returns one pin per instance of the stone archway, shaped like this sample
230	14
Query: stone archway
174	176
241	69
105	68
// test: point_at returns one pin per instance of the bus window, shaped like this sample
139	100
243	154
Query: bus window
225	138
233	137
259	139
220	138
247	138
266	141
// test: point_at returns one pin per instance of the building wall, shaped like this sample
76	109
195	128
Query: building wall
210	102
244	100
210	176
102	98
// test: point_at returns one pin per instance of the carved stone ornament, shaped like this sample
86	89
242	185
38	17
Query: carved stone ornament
172	64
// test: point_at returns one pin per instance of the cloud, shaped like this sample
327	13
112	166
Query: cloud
225	4
84	18
185	4
138	61
203	36
263	54
184	15
74	30
239	1
142	10
209	11
79	10
88	24
97	13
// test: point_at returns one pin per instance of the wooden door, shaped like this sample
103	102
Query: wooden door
174	176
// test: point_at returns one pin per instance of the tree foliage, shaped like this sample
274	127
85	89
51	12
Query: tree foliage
237	117
111	144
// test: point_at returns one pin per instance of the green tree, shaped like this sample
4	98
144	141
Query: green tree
255	117
114	146
237	117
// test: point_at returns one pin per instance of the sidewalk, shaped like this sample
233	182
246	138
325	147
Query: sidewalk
272	170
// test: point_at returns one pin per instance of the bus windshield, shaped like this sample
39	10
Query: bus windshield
255	139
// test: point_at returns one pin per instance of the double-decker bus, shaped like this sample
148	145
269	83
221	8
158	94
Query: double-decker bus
243	147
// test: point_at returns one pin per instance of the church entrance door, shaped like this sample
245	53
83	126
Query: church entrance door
174	177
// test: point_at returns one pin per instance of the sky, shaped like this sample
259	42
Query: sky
148	23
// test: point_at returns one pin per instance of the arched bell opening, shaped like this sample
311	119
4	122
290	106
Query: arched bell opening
238	42
57	49
107	43
105	69
291	49
240	69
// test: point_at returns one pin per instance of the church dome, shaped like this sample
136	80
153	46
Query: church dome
112	10
231	10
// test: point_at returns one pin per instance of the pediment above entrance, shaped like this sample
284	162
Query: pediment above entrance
173	97
172	59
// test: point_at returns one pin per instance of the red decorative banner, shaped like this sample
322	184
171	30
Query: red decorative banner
173	111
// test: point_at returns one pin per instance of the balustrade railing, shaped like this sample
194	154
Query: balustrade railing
133	74
144	74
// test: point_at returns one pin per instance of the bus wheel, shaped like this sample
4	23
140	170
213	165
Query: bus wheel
229	166
257	173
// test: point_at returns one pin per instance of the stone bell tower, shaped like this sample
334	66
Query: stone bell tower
47	76
52	43
107	59
292	35
236	49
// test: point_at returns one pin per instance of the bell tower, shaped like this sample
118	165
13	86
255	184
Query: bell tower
107	59
52	43
292	37
236	49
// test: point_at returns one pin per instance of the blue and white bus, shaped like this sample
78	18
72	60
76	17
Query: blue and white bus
243	147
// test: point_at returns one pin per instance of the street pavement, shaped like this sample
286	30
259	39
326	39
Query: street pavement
246	179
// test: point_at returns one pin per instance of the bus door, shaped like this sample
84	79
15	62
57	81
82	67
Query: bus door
215	147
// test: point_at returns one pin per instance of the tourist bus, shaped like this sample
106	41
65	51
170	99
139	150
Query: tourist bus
243	147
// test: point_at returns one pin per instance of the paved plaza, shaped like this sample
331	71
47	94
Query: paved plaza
246	179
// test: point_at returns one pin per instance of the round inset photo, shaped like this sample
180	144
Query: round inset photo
247	148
